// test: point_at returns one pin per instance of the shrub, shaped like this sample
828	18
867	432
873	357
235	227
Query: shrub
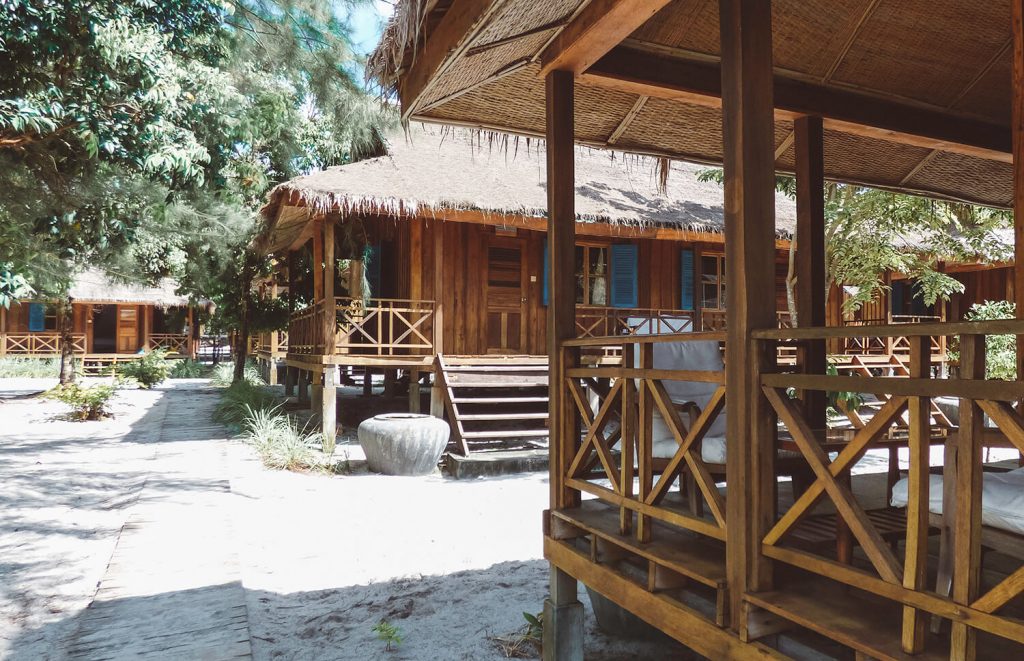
1000	350
29	368
224	373
279	441
149	370
241	398
188	369
86	402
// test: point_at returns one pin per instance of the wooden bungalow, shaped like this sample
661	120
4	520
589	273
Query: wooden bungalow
922	97
450	231
111	321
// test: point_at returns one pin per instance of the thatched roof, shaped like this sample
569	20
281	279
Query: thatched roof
93	286
433	170
916	96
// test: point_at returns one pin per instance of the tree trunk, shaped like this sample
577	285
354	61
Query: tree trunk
242	336
65	326
791	285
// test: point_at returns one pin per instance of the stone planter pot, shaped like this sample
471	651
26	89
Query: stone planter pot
403	443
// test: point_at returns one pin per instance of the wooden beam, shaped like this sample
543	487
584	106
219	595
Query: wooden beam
848	44
915	563
641	101
749	160
452	36
784	146
698	81
601	26
1018	171
809	138
318	260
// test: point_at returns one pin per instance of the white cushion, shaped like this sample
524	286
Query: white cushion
1002	499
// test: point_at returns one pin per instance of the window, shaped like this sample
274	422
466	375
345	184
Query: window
712	282
592	275
50	318
42	317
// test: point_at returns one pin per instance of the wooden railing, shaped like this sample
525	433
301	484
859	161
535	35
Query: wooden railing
605	321
624	418
905	413
172	343
715	320
271	342
38	344
385	327
378	327
868	345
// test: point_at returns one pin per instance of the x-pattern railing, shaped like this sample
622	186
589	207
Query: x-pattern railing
624	419
40	343
384	327
907	397
171	342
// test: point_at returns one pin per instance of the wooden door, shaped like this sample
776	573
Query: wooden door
506	296
127	329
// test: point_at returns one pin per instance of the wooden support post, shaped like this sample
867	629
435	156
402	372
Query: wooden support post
563	613
303	386
628	440
645	424
968	481
328	396
318	260
749	160
415	404
1017	125
289	381
915	564
367	382
316	392
810	255
3	331
329	405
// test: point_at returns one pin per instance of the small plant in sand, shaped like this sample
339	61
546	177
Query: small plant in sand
188	369
150	370
388	633
279	441
19	367
86	402
525	642
224	374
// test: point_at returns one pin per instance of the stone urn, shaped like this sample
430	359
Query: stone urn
403	443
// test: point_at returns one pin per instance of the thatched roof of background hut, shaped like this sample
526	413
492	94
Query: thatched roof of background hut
433	170
93	286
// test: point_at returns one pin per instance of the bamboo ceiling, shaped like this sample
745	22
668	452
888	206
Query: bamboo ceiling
947	58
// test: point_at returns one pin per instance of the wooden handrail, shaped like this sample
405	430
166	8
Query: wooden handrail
611	340
996	327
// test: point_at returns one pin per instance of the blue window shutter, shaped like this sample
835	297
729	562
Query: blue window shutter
372	267
687	279
624	276
36	317
545	295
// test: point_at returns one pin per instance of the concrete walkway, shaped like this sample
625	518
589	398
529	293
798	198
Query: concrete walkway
173	586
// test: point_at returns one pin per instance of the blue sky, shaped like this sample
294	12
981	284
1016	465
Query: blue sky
367	22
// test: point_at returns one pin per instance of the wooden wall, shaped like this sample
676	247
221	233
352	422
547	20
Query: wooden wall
464	276
17	318
995	284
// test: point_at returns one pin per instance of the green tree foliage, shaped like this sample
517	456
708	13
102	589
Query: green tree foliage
869	232
142	136
1000	350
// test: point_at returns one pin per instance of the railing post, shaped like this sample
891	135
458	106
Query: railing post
644	441
915	568
967	479
628	438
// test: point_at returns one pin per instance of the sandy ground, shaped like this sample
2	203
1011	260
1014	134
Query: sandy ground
322	558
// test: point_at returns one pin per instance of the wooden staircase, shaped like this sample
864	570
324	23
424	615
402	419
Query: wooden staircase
494	403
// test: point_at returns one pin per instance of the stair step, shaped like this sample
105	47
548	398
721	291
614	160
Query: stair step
504	416
509	433
487	369
499	400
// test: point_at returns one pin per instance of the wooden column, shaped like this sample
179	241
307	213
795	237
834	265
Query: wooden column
810	254
749	159
328	400
915	564
1018	171
147	325
563	613
318	261
438	234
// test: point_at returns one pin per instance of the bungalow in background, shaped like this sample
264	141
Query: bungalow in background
110	320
